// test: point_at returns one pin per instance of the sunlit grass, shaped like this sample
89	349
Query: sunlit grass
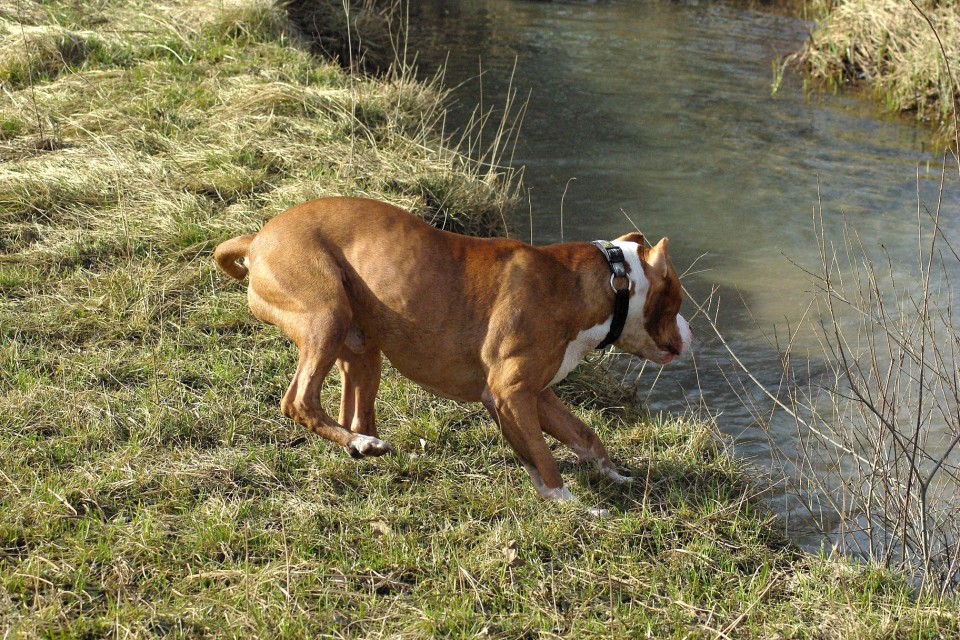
149	485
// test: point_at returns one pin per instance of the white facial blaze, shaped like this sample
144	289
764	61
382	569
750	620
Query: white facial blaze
638	280
686	335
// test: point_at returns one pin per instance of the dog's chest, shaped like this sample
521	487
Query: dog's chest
579	347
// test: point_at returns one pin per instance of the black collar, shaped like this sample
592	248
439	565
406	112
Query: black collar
621	301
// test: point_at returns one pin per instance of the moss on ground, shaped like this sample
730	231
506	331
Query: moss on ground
148	484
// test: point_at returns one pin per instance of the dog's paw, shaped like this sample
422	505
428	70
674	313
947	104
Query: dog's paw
560	494
607	469
361	446
616	477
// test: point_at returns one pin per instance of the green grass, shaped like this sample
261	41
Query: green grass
149	486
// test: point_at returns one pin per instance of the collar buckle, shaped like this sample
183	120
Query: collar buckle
614	276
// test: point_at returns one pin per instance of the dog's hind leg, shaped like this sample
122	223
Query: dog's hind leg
557	420
301	402
360	374
316	316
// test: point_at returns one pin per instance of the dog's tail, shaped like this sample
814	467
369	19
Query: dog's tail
229	255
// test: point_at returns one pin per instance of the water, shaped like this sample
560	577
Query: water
663	111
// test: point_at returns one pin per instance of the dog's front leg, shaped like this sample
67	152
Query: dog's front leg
515	411
557	420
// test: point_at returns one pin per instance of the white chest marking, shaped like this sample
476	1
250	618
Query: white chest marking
586	340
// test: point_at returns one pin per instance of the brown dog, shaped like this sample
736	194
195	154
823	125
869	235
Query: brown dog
481	320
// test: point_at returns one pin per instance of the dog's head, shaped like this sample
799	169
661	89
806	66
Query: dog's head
654	329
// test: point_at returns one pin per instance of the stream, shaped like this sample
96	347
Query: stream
661	112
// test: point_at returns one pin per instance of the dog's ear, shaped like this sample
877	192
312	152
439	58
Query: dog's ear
658	258
634	236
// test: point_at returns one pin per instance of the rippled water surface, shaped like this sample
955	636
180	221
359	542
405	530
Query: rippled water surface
663	111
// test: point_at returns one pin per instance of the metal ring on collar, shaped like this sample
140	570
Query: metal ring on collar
629	283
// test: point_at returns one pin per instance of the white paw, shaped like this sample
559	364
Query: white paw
560	494
361	446
608	470
563	495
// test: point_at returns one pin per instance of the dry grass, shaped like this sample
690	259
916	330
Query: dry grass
148	484
891	46
185	123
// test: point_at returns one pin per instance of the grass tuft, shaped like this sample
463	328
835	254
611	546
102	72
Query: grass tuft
890	46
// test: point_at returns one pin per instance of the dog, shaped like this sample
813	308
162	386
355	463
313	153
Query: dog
488	320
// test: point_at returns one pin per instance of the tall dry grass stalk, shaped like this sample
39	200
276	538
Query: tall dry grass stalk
167	113
361	34
878	415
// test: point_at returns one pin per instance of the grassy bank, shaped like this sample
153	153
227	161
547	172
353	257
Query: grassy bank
892	48
149	486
